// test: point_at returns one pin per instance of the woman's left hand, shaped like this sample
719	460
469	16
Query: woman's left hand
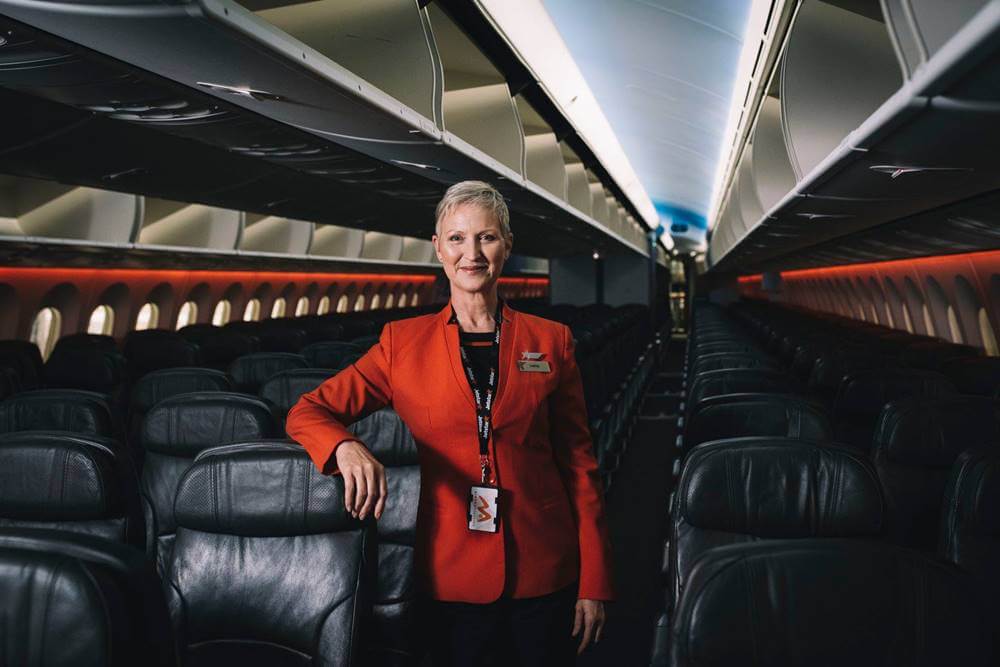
589	619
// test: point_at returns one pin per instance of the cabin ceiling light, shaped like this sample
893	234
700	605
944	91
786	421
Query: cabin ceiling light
895	171
824	216
418	165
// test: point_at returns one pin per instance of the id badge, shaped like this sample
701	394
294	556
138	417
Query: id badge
529	366
483	501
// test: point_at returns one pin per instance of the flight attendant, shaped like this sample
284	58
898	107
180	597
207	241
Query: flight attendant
512	546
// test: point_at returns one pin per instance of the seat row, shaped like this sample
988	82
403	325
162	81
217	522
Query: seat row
766	456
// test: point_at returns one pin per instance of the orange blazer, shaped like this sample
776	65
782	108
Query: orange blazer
553	529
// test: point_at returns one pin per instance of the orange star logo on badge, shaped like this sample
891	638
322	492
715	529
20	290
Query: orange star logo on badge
484	510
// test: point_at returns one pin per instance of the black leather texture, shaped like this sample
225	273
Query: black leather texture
71	600
330	354
250	371
88	367
916	443
741	381
392	639
818	603
74	410
70	482
284	389
970	535
749	489
219	346
726	361
933	355
153	349
158	385
979	375
862	396
267	566
738	415
25	359
179	428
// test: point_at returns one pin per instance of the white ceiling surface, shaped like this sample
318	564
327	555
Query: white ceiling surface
663	73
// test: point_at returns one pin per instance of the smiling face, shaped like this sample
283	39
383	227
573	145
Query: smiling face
471	247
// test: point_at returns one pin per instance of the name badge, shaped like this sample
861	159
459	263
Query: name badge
528	366
483	501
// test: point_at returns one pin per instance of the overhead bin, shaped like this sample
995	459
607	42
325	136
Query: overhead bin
171	223
751	211
32	207
599	204
919	28
270	233
336	241
543	157
838	67
772	171
418	250
577	182
387	247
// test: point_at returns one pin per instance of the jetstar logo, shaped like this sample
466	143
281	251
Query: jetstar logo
484	509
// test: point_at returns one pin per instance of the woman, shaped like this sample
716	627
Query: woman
510	529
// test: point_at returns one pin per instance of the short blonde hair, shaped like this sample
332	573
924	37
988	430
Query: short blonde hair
477	193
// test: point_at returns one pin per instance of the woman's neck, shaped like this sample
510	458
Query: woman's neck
475	310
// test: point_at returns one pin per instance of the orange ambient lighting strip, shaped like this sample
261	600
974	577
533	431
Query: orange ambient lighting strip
171	275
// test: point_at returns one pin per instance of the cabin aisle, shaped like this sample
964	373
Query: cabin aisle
637	513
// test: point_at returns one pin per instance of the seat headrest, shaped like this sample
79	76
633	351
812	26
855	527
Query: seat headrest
153	349
284	389
798	603
867	392
158	385
716	383
86	367
979	375
932	432
56	476
388	438
219	344
932	355
187	424
972	500
778	487
72	410
252	370
264	489
329	354
734	415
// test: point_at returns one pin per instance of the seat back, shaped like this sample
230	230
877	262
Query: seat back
809	603
250	371
862	396
73	410
73	600
740	415
979	376
267	568
749	489
25	359
284	389
915	446
970	535
219	346
934	355
152	349
87	367
741	381
393	639
724	361
330	354
176	430
65	481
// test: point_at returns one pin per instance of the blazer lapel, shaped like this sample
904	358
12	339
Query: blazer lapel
508	333
454	357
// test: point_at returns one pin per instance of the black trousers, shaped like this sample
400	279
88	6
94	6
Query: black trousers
530	632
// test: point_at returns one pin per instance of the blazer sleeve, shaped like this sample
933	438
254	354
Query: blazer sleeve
319	420
573	450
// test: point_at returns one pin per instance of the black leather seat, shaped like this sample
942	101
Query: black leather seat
281	335
176	430
750	489
250	371
86	340
88	367
365	342
284	389
267	568
862	396
153	349
219	346
393	637
25	359
73	410
819	603
64	481
934	355
320	328
72	600
726	361
971	525
915	446
977	375
742	381
739	415
330	354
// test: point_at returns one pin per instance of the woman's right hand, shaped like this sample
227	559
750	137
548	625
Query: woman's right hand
364	479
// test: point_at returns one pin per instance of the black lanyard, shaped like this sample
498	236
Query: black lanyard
484	394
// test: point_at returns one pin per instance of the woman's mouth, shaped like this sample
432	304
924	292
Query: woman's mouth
473	269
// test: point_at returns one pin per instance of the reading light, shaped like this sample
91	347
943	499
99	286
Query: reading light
597	255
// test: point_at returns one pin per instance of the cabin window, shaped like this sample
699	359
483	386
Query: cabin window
302	306
278	309
414	301
223	310
188	314
928	322
402	301
102	320
252	312
907	320
376	300
956	330
359	303
324	306
45	330
986	331
389	300
342	303
148	317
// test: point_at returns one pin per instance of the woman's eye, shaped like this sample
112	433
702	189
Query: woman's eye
488	237
454	237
